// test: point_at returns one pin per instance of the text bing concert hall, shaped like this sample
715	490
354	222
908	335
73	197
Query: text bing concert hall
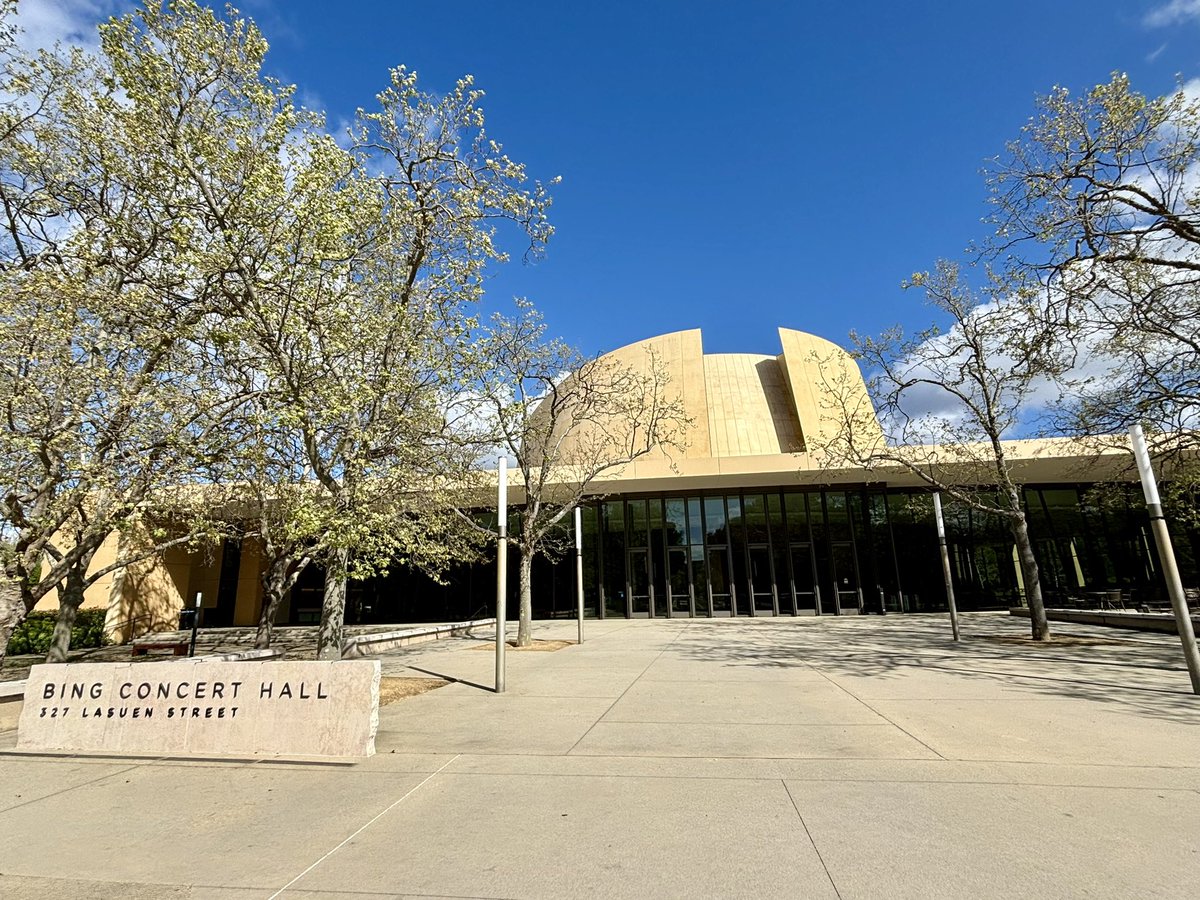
743	521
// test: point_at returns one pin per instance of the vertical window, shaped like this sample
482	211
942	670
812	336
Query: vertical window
615	600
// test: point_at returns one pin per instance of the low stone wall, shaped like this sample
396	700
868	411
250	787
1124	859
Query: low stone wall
240	656
12	695
1137	621
202	707
383	641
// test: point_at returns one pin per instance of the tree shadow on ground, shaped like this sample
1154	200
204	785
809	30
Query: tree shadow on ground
1142	675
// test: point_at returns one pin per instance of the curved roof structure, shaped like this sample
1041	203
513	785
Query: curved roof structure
748	404
762	420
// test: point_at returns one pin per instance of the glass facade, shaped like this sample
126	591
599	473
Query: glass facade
788	552
859	550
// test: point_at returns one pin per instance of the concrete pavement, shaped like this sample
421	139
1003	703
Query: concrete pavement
852	758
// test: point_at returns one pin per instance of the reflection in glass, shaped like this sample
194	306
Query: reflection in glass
775	516
755	512
796	506
736	531
837	516
714	520
638	536
695	524
677	530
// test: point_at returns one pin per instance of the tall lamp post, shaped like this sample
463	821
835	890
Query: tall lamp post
1166	555
579	569
941	533
501	569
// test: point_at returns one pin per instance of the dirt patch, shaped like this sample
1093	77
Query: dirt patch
542	646
392	689
1067	640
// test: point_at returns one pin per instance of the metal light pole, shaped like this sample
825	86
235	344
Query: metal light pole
579	568
195	623
501	569
1166	555
941	531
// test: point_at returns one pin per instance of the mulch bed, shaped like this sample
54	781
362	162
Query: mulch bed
536	646
392	689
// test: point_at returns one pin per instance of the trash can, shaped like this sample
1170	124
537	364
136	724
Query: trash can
186	619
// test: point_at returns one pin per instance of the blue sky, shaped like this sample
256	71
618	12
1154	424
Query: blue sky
733	167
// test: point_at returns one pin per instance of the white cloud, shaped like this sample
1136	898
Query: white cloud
46	22
1173	13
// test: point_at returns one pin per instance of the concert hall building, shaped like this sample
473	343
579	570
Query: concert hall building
744	522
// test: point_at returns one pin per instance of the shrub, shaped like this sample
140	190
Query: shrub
33	635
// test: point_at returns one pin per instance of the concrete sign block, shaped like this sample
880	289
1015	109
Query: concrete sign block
188	707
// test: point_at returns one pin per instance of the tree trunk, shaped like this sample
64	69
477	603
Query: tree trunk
70	596
276	581
1033	583
12	611
272	597
333	610
525	615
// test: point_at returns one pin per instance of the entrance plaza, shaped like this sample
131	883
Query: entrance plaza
844	757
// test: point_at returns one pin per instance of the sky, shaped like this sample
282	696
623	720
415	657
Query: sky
731	167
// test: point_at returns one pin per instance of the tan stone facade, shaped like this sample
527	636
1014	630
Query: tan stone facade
149	594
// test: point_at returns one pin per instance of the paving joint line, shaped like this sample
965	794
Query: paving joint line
628	688
895	725
77	879
365	826
73	787
752	722
831	779
813	843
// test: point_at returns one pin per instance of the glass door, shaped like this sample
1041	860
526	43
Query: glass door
804	579
761	583
639	582
660	601
718	581
699	583
845	577
783	590
677	582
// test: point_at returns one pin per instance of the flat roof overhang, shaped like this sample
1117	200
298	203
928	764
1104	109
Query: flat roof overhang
1048	461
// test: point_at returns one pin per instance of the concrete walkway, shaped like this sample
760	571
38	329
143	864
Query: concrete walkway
851	758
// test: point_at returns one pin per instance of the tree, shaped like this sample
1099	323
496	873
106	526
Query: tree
107	323
1099	202
404	355
366	342
568	421
263	489
948	400
358	328
195	272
